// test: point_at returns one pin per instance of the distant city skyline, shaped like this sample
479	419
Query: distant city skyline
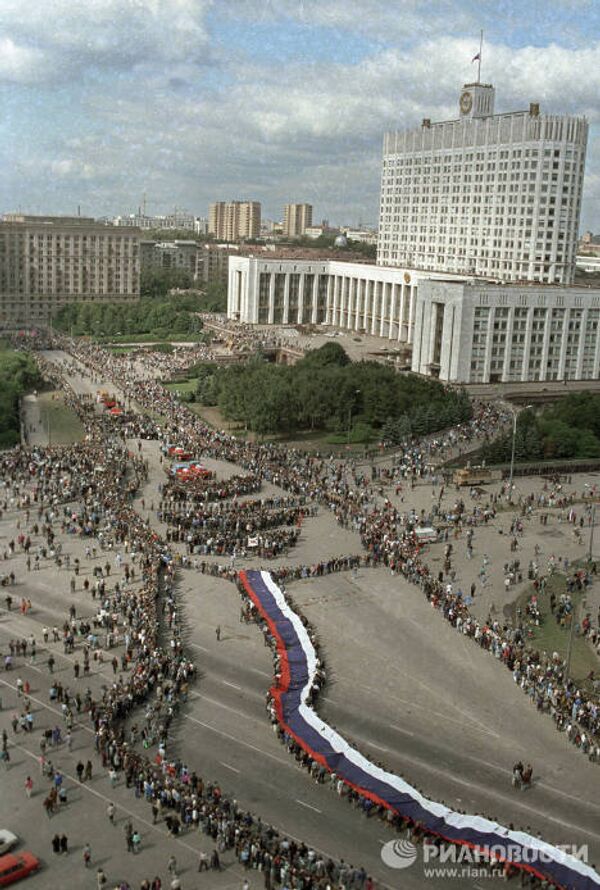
194	100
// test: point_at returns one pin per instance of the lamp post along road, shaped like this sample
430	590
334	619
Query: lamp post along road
512	454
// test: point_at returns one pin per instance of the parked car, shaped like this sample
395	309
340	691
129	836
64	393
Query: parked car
15	866
8	840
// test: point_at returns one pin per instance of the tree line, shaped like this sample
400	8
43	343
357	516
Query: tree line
18	374
325	391
569	428
158	315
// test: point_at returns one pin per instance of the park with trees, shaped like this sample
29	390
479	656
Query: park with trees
167	310
567	429
18	375
325	391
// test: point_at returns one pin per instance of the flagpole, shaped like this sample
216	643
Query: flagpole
479	60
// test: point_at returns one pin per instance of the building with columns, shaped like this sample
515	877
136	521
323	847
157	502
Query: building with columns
357	296
478	230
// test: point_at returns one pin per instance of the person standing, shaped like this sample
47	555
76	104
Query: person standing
172	865
203	861
100	879
110	812
56	844
28	786
87	855
64	844
218	632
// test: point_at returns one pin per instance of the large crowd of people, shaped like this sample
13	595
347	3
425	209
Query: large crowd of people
387	535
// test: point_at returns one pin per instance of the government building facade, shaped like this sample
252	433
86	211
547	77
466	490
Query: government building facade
48	261
478	228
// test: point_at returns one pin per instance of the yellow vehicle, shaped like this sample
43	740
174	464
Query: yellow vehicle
475	476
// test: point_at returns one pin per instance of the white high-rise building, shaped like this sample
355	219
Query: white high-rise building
496	196
476	253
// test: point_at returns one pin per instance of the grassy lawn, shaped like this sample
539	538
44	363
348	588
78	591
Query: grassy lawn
121	350
64	425
183	386
194	337
553	637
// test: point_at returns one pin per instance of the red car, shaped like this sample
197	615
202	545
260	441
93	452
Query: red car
179	453
14	866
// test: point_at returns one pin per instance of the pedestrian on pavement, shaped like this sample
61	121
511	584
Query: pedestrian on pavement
203	861
28	786
64	844
110	812
100	879
87	855
88	771
172	865
56	844
79	769
136	840
218	632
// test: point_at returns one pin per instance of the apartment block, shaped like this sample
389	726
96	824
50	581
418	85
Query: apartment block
234	220
48	261
296	219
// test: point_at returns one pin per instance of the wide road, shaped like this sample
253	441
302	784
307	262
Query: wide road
403	685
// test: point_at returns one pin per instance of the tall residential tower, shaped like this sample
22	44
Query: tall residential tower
234	220
297	218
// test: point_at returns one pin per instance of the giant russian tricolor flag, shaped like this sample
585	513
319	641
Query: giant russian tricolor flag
291	693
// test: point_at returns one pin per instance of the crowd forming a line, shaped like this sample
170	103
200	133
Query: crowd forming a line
154	677
326	481
385	533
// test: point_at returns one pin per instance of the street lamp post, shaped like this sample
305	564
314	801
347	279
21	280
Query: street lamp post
350	408
512	454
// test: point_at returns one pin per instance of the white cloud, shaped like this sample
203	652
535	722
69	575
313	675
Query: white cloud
155	119
18	64
65	38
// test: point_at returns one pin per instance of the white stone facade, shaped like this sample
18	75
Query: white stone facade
474	332
355	296
491	195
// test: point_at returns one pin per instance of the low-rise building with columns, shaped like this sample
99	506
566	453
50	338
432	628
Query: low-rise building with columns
360	297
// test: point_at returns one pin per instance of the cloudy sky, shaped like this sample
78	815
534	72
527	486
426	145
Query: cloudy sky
192	101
